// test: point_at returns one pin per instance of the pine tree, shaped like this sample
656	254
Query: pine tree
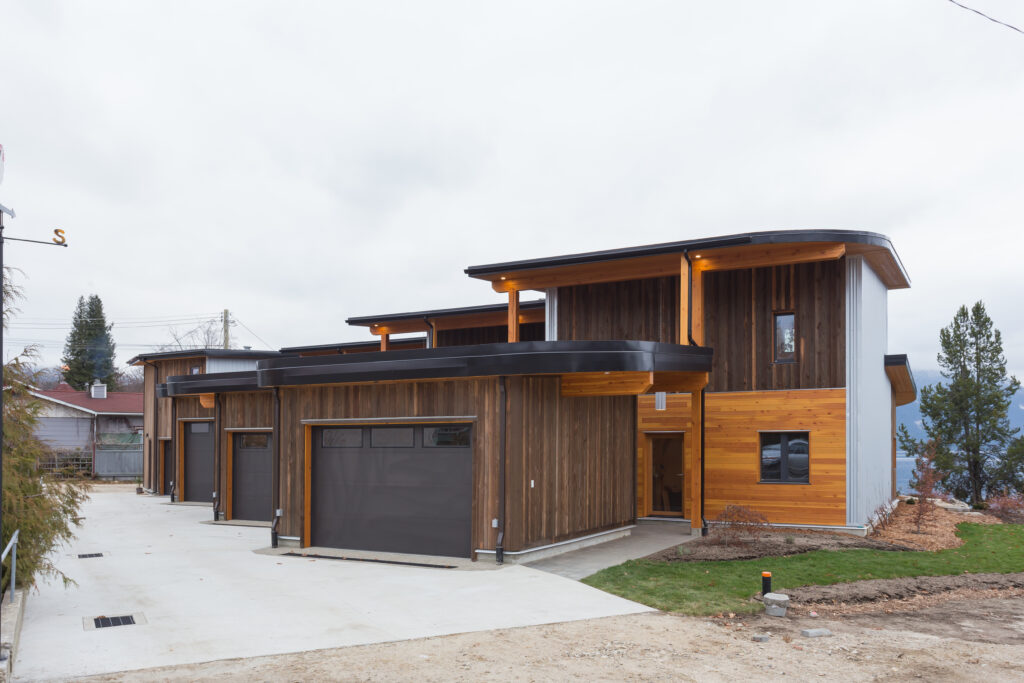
89	348
967	415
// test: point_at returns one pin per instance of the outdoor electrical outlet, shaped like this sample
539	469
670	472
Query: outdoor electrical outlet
494	523
531	483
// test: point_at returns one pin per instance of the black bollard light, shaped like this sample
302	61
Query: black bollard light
766	583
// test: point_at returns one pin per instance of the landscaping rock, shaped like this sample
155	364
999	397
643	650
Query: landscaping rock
775	604
761	638
815	632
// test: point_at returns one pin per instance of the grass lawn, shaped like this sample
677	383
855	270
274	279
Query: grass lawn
713	587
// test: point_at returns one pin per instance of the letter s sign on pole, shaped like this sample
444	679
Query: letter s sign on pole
58	237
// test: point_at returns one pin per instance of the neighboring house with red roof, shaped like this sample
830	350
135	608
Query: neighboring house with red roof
96	431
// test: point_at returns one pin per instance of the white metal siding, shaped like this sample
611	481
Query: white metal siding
65	432
230	364
868	395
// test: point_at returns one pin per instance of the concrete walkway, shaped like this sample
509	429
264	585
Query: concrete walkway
647	537
205	595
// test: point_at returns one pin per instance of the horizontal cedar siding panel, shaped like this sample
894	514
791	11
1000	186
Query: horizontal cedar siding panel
403	399
579	453
740	307
732	450
641	310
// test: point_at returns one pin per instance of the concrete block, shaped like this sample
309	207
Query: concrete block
775	604
815	632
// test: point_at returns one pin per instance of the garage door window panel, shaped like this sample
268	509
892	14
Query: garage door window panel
456	436
342	437
392	437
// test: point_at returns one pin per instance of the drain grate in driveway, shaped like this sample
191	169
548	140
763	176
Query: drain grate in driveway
86	556
106	622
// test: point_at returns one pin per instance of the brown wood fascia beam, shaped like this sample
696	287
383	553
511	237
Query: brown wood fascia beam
385	342
208	400
589	273
736	258
606	383
678	382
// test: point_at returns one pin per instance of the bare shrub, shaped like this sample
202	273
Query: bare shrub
883	516
737	524
926	480
1007	506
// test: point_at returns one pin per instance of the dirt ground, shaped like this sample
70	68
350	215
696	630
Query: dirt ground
976	637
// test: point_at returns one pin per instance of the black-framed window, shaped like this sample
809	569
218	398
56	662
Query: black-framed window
392	437
253	440
342	437
452	436
785	457
785	338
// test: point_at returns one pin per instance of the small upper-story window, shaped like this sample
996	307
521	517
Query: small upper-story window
194	370
785	338
785	457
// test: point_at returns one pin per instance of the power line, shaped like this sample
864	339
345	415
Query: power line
253	333
1001	23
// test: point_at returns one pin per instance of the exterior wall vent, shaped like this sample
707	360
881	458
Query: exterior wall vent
98	390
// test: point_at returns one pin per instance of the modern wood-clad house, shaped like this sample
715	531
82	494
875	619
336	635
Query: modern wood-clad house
180	434
660	381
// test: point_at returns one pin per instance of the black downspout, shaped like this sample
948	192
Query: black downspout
689	336
499	550
276	485
155	473
217	442
174	449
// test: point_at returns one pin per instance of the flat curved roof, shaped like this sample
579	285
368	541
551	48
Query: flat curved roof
868	240
212	383
482	360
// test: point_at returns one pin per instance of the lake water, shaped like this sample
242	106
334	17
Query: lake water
904	473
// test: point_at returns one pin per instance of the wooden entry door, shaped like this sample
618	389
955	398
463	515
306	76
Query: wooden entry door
666	473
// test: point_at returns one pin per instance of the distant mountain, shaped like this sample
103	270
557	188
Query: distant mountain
910	414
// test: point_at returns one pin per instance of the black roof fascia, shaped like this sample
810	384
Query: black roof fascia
901	359
763	237
205	353
442	312
161	390
351	345
522	358
212	383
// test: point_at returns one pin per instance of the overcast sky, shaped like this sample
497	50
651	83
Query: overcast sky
300	163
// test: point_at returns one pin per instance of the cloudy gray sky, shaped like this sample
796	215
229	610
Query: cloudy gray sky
300	163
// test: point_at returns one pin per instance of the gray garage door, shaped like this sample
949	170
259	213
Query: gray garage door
403	489
251	477
167	457
199	461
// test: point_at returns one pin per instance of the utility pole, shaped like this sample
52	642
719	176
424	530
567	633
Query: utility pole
227	337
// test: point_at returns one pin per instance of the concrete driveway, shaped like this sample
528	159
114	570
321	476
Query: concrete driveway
202	594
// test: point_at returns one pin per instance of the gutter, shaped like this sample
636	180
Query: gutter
703	418
276	467
499	548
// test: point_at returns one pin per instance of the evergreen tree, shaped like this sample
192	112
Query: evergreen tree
89	348
967	415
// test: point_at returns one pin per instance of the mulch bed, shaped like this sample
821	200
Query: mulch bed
873	590
773	543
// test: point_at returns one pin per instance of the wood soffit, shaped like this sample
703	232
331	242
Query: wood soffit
904	390
722	258
454	322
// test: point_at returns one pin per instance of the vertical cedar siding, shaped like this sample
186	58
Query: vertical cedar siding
171	368
739	308
488	335
641	310
579	453
188	408
470	397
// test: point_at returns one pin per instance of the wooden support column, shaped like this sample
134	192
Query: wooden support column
385	342
695	438
684	300
698	303
513	315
